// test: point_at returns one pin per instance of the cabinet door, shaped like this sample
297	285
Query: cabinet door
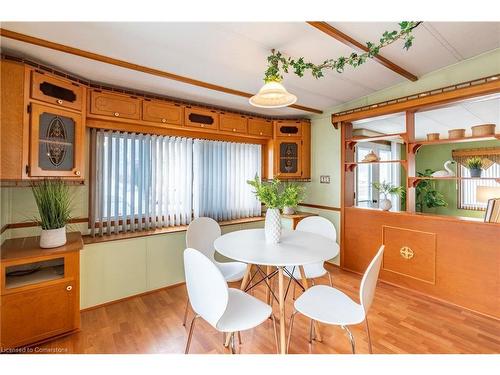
289	160
201	118
57	139
56	91
260	127
286	128
37	314
162	112
115	105
233	123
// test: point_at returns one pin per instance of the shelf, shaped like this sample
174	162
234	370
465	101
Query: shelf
413	181
384	137
44	274
415	145
351	166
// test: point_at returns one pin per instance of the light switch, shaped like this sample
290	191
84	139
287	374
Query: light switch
324	179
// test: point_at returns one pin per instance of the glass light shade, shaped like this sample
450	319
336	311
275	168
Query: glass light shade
483	193
272	95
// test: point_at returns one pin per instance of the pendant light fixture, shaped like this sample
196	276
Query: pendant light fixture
273	95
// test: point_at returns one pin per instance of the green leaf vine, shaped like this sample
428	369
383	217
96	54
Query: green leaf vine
279	63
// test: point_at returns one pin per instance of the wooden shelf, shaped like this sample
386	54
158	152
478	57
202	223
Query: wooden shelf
415	145
415	180
351	166
383	137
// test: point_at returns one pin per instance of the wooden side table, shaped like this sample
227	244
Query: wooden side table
39	291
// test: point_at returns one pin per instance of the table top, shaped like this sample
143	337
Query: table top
295	248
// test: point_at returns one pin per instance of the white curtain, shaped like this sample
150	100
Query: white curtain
220	174
140	181
396	174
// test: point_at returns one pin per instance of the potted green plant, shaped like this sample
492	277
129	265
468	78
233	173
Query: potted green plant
270	193
475	165
387	190
293	194
53	200
426	193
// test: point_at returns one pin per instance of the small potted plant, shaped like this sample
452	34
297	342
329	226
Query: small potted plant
475	165
271	195
387	190
54	207
293	194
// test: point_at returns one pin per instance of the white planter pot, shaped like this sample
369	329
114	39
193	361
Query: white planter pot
385	204
272	225
288	210
52	238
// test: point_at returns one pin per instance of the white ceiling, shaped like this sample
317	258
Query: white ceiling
234	55
485	110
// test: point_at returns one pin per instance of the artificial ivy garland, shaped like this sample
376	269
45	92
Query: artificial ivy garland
279	62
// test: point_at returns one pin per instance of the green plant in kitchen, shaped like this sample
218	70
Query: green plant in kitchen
475	166
53	201
426	193
387	189
293	194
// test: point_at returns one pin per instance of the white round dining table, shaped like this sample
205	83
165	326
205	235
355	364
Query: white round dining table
296	248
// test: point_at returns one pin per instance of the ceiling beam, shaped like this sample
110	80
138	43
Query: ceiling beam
128	65
347	40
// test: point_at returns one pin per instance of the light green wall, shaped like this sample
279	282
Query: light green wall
434	157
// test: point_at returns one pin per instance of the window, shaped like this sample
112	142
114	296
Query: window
142	181
467	189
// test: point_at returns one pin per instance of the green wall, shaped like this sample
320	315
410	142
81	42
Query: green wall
434	157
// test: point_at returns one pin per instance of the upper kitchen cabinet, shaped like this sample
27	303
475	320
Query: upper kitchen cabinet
54	90
114	105
162	113
232	122
260	127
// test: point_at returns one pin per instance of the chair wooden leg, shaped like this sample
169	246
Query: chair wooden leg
369	336
239	337
191	329
351	339
292	318
330	278
275	333
294	288
232	345
186	313
311	338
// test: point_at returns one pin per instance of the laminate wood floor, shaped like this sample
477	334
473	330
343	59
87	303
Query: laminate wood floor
400	322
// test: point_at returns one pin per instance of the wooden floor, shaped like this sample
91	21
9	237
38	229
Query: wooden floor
400	322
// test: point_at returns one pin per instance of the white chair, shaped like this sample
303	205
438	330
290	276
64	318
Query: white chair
318	225
331	306
200	235
226	309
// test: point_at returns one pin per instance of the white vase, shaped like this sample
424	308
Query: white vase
288	210
385	204
272	225
52	238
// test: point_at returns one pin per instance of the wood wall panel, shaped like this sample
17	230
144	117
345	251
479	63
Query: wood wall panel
467	255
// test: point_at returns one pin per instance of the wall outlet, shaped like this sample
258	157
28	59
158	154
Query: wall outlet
324	179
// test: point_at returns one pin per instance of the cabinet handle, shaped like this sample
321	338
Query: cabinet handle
163	120
78	173
234	130
59	101
116	114
260	133
68	288
202	126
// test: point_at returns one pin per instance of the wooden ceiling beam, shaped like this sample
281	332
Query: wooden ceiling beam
128	65
347	40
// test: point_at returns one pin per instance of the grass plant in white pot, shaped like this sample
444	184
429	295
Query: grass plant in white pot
53	200
293	194
270	193
388	190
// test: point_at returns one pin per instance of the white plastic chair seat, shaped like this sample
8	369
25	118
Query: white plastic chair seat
330	306
232	271
243	312
312	271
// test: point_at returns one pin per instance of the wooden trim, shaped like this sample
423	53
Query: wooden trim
128	65
423	100
347	40
329	208
4	228
29	224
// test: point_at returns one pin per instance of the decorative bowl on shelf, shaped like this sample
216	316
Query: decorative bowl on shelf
456	133
483	130
371	157
433	136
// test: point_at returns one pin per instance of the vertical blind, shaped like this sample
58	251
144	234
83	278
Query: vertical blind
220	174
142	181
467	191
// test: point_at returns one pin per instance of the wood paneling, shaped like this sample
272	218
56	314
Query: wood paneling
38	79
467	260
260	127
162	112
114	105
233	123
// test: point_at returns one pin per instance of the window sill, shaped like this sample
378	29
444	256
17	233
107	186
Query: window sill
88	239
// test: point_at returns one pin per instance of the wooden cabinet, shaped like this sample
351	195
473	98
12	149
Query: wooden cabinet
198	117
53	90
292	150
115	105
260	127
289	158
289	129
39	291
162	112
232	122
